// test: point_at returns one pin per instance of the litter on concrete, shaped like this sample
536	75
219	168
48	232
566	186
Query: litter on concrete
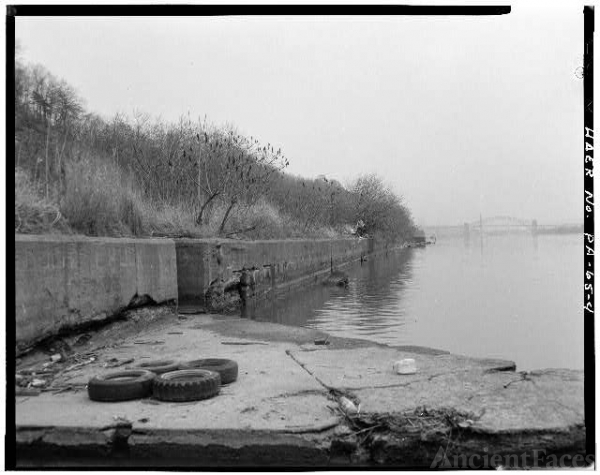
405	366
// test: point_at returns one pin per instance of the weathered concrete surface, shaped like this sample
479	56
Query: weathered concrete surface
360	368
265	395
501	400
271	405
63	281
272	264
283	410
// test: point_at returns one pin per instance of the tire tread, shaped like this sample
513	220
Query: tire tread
206	386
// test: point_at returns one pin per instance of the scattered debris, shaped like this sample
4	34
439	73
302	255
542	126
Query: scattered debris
79	365
35	372
427	423
149	342
115	362
59	347
174	333
56	358
121	420
349	407
465	424
323	341
65	388
143	420
32	379
343	431
243	343
369	429
405	366
82	340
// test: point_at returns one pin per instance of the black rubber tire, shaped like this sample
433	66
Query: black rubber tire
121	386
186	385
227	369
159	366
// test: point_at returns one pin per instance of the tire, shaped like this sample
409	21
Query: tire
159	366
121	386
186	385
227	369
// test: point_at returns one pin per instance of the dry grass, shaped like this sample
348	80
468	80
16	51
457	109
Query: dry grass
99	201
169	220
34	214
259	221
262	220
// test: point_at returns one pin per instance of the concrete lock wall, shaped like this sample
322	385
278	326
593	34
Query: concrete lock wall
272	264
62	282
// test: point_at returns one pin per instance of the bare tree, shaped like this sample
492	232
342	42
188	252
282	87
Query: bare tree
250	168
379	207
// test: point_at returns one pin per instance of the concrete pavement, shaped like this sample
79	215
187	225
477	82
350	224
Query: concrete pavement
284	408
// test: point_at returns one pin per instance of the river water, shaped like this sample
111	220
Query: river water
516	297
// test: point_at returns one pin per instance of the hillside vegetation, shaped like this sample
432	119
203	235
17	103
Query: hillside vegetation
76	172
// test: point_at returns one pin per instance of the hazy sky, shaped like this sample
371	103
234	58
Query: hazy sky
461	115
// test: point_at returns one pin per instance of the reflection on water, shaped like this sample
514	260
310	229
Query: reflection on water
510	296
371	305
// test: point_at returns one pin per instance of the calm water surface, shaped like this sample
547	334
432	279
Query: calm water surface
516	297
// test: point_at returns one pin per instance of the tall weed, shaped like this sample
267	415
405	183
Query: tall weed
34	214
99	201
263	220
169	220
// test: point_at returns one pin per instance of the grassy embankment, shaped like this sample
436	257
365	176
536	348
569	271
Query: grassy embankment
76	172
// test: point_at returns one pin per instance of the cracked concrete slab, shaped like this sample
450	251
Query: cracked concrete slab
359	368
272	391
498	400
233	408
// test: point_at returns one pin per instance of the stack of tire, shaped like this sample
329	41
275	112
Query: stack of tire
165	380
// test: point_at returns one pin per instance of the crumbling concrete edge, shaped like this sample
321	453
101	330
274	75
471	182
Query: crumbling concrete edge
222	447
236	448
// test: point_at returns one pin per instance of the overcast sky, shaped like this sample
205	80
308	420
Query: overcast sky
460	115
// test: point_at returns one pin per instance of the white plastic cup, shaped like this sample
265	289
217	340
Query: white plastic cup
405	366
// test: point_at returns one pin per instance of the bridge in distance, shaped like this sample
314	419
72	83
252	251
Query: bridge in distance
503	225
